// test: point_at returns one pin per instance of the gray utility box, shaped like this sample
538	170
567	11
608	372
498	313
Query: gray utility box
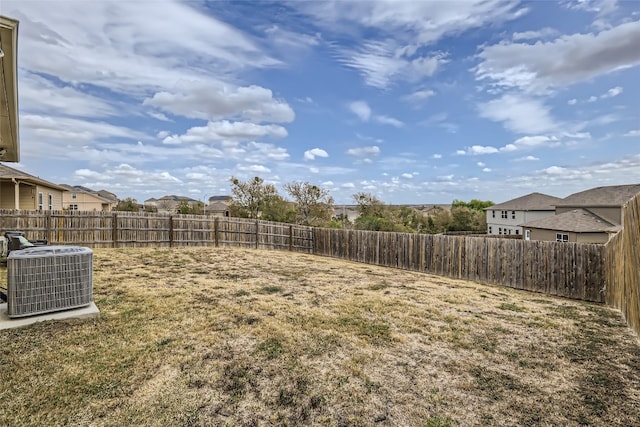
43	279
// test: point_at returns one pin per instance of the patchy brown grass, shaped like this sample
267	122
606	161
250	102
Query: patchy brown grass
221	337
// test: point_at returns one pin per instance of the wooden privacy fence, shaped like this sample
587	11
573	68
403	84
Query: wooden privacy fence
127	229
569	270
622	264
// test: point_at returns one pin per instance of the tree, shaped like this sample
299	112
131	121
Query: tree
314	205
277	209
374	214
250	198
369	205
184	207
127	205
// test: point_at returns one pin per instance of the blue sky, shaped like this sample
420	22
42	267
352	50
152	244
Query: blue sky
412	101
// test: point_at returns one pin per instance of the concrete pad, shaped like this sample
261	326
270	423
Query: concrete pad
76	313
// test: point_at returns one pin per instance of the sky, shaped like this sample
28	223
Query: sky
415	102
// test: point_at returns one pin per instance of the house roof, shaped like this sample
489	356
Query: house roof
529	202
177	198
218	206
613	195
9	140
81	189
576	221
10	173
220	199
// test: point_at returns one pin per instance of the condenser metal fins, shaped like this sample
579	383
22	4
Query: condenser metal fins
48	278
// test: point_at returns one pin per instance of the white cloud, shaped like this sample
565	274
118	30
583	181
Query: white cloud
364	113
72	131
535	34
361	109
407	175
575	58
364	153
614	91
527	158
315	152
486	170
128	175
40	95
634	132
519	114
572	101
437	156
131	43
481	164
207	100
225	130
386	120
253	168
382	62
481	149
420	95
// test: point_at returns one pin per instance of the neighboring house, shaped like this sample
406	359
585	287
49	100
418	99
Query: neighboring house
433	210
19	190
169	204
9	140
150	205
507	217
350	212
218	206
590	216
79	198
577	225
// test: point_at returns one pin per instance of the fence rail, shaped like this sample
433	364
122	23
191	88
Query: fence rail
601	273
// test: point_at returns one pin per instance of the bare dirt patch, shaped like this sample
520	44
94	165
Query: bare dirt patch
209	336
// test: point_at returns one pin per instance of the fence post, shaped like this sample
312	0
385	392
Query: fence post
170	231
215	232
114	226
290	238
47	225
256	234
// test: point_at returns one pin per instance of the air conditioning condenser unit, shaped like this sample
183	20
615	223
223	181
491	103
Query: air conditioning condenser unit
44	279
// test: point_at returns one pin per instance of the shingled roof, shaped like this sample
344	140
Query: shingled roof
613	195
529	202
576	221
8	173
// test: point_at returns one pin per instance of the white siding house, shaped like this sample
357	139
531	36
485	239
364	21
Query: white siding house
506	217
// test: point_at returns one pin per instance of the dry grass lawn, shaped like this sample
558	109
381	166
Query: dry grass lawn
231	337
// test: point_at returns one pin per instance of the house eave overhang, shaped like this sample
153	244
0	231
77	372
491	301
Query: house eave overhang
9	138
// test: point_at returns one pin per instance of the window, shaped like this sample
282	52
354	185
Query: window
74	196
513	214
504	214
517	231
527	235
50	202
490	230
40	201
500	230
509	231
493	214
560	237
73	207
